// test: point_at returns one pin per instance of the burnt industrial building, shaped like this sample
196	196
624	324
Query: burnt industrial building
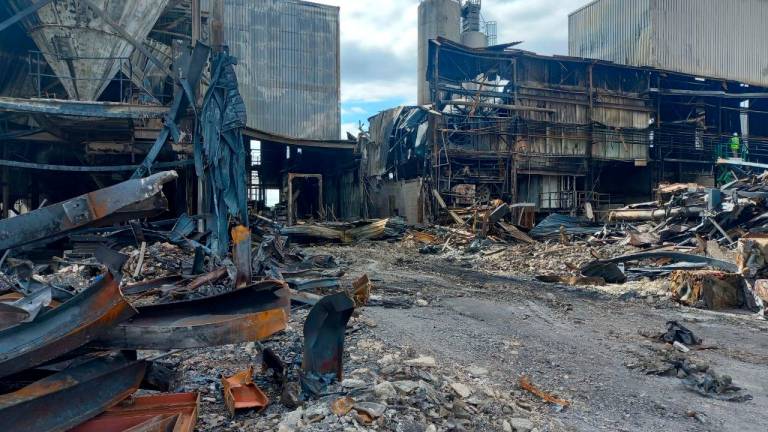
557	133
87	86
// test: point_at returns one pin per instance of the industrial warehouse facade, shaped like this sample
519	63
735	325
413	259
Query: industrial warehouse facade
558	133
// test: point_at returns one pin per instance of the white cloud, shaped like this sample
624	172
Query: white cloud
379	40
386	25
542	25
376	90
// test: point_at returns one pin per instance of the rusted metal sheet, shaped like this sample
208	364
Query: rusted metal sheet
137	411
68	398
77	212
324	335
61	330
240	392
248	314
361	290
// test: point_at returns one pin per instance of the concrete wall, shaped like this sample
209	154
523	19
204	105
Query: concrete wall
397	198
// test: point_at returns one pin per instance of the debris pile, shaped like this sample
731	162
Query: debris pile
678	359
706	246
82	332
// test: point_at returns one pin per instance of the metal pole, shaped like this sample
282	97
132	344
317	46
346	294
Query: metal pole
217	25
6	185
196	24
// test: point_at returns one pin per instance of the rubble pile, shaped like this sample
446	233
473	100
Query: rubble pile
703	247
123	302
383	387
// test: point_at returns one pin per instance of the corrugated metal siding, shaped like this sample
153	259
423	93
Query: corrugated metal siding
711	38
716	38
613	30
288	69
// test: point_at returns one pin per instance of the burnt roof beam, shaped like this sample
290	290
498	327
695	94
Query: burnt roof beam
23	14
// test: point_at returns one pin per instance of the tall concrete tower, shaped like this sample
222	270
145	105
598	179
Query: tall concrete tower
437	18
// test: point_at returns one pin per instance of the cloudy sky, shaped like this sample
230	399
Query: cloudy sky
378	46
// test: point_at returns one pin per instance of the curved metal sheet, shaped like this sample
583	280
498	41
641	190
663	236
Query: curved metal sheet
252	313
678	257
61	330
70	397
324	332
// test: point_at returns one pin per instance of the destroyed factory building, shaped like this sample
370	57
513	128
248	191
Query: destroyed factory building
188	243
556	133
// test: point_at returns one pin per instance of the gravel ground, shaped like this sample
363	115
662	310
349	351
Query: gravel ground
485	325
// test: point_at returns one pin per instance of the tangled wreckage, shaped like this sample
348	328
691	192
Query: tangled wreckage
59	342
169	186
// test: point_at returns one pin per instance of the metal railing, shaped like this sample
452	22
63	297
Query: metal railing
573	200
38	64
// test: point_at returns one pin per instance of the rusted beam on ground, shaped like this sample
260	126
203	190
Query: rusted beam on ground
80	211
206	278
247	314
68	398
65	328
139	410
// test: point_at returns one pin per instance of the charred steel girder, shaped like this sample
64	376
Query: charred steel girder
65	328
80	211
247	314
72	396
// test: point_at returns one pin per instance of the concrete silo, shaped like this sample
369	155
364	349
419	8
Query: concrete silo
437	18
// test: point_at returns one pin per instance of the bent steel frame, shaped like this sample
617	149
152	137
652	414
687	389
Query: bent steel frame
68	398
80	211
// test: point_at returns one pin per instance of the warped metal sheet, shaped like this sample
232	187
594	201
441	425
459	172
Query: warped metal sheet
80	211
61	330
66	399
324	332
252	313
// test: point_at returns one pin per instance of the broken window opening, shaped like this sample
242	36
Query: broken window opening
255	152
272	197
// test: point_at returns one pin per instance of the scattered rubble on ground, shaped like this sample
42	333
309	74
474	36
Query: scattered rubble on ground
274	335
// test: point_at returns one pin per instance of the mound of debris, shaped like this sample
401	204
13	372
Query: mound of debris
80	334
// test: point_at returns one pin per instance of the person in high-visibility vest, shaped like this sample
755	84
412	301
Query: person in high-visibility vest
735	145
